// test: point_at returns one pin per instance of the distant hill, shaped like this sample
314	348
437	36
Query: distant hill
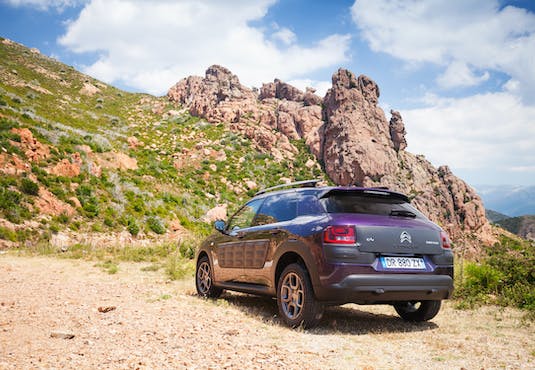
508	199
523	226
494	216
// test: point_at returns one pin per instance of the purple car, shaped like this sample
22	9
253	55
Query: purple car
314	246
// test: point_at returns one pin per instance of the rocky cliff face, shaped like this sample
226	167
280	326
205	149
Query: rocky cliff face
271	118
346	131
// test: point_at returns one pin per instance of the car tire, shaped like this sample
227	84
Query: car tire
204	279
295	298
417	311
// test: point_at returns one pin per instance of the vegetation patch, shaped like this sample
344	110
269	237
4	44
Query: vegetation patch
506	276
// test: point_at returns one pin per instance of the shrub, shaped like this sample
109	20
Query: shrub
29	187
178	268
10	205
108	266
62	218
483	278
132	227
187	250
506	276
156	225
8	234
89	202
109	221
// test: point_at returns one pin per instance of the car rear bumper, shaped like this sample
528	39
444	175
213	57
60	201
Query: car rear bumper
381	288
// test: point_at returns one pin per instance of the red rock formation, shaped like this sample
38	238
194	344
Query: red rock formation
33	149
361	147
356	142
219	97
397	131
49	204
66	168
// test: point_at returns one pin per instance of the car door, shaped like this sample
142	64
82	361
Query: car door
229	254
268	232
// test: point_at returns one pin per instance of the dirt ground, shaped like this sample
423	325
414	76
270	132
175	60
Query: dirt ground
160	324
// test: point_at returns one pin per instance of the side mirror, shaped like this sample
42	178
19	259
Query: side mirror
220	225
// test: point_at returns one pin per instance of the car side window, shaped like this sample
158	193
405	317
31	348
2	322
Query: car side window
309	205
244	217
277	208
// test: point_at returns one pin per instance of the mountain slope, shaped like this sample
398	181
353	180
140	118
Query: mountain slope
494	216
523	226
84	162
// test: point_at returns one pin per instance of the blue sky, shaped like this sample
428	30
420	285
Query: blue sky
462	73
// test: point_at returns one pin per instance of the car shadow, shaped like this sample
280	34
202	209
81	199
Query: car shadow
348	319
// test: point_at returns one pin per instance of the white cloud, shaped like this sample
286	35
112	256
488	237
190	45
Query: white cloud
45	4
151	45
285	35
458	74
492	131
477	33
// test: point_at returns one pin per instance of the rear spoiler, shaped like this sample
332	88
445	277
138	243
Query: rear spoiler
372	192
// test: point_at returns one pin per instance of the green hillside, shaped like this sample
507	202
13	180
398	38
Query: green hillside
179	167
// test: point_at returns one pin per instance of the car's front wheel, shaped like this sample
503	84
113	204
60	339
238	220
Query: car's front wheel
417	310
295	298
204	280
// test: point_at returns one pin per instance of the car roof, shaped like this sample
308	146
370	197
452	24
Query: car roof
325	191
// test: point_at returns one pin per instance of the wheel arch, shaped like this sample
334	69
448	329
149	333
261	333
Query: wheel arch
201	254
295	252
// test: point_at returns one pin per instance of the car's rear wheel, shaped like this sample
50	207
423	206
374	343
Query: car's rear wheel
204	279
295	298
417	310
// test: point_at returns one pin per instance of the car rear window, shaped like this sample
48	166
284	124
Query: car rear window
347	202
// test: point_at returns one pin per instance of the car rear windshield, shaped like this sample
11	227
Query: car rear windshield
349	202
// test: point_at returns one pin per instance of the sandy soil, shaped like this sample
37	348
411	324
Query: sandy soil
161	324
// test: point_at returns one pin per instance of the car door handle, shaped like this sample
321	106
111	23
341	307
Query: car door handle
240	234
275	231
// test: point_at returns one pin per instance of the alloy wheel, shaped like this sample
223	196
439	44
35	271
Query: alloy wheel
204	280
292	295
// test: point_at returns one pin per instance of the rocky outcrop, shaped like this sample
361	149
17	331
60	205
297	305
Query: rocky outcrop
346	131
49	204
219	212
356	141
89	89
33	149
115	161
218	96
271	118
397	131
67	168
361	147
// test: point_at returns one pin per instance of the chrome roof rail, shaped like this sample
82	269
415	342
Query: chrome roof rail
301	184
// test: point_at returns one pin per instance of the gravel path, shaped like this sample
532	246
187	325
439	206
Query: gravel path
70	314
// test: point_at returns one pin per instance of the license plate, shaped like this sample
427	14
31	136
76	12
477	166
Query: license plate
409	263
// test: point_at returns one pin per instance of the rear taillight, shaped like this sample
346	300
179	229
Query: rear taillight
446	243
339	235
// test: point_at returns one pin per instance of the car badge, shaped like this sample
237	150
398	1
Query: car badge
405	237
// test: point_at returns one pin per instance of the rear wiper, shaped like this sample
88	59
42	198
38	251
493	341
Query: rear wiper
402	213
